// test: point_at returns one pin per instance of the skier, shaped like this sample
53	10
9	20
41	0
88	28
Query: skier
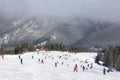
75	68
62	63
42	61
91	65
21	60
19	57
88	65
104	71
39	59
2	56
109	70
55	64
67	64
32	57
83	68
45	57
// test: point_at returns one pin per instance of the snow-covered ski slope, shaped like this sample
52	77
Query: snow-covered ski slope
32	69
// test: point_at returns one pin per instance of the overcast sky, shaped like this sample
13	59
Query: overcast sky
96	9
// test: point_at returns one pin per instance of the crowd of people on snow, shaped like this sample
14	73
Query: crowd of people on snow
66	56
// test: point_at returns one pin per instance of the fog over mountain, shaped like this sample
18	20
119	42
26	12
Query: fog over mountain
71	22
95	9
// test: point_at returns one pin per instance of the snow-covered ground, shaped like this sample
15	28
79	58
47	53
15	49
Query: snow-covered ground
32	69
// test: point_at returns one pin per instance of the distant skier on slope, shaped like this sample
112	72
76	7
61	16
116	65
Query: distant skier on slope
21	60
104	71
62	63
55	64
91	66
2	56
42	61
32	57
75	68
19	57
83	68
39	59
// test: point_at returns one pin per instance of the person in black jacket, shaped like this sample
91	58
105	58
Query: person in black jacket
104	71
21	60
19	57
55	64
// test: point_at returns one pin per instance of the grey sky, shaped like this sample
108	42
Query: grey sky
96	9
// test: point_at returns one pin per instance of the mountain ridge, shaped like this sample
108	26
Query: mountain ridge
69	31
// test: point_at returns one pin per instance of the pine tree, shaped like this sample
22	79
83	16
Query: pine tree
112	57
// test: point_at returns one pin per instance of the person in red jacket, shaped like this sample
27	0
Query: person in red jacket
75	68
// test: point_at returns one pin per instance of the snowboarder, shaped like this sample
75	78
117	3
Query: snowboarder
21	60
75	68
104	71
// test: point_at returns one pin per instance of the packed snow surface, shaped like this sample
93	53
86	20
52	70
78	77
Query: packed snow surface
33	69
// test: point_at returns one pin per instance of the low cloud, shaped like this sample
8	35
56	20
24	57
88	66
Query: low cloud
95	9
